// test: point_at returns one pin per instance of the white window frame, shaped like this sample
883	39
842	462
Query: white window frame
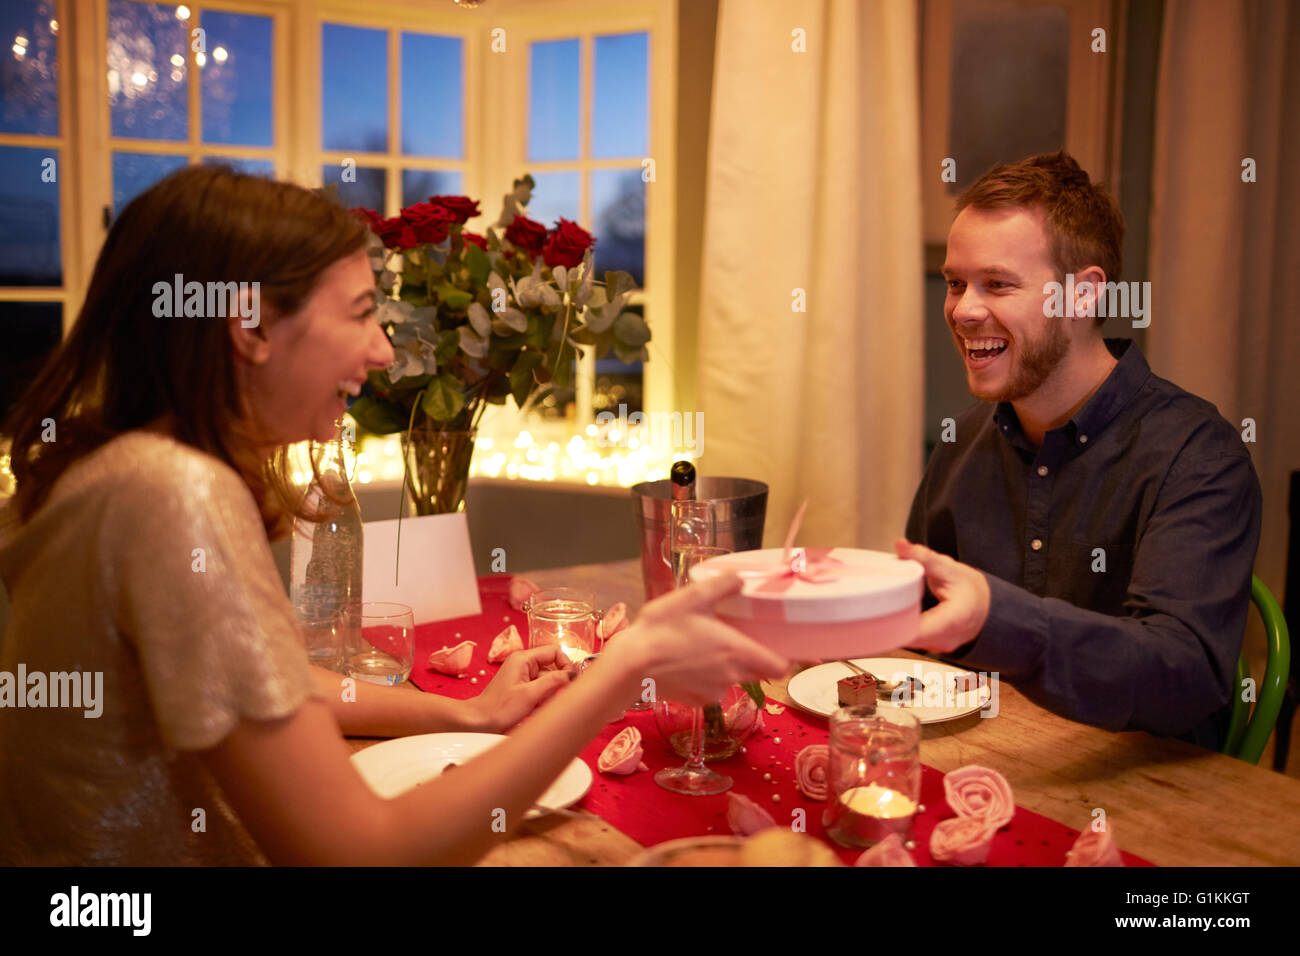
494	152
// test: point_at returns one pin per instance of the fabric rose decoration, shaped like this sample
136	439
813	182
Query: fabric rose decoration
979	792
622	754
521	589
613	621
431	223
811	771
962	840
397	233
461	208
474	239
744	816
453	660
1094	849
505	644
888	852
523	233
567	245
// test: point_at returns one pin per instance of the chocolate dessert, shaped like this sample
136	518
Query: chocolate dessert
857	691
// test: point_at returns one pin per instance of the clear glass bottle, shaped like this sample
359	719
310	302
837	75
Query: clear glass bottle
325	562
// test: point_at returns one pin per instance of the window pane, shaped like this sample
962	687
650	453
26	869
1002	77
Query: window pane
419	184
1010	71
29	77
354	88
553	100
236	79
29	218
618	215
619	110
432	96
253	167
147	79
133	173
32	330
367	190
555	195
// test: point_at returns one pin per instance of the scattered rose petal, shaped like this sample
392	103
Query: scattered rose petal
642	766
453	660
810	770
622	754
775	709
979	792
613	621
888	852
962	840
1094	849
744	816
505	644
521	589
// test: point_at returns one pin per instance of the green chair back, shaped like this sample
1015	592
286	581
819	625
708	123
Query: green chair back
1248	733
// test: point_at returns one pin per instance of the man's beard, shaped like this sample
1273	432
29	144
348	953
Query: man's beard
1034	363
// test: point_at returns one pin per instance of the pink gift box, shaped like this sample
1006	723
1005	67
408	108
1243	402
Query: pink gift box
823	603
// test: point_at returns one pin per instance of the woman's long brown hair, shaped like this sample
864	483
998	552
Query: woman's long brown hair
121	367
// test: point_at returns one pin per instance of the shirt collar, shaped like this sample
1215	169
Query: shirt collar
1108	401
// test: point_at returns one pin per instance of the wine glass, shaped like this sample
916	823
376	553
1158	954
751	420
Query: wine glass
694	779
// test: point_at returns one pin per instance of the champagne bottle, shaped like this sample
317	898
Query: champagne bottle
326	556
683	481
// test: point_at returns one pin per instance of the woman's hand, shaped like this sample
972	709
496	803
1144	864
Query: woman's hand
686	652
525	680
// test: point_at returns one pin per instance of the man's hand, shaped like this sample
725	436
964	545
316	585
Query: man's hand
963	594
525	680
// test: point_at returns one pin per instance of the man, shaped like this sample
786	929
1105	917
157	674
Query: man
1090	535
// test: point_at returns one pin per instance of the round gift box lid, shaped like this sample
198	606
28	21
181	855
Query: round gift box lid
817	584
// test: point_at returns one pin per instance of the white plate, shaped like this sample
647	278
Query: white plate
397	765
814	690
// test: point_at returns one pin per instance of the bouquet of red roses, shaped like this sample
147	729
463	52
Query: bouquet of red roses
476	320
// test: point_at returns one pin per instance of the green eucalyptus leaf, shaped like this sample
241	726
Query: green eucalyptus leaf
379	416
632	330
452	297
447	345
444	398
521	376
476	260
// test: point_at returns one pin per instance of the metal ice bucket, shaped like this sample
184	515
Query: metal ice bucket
740	505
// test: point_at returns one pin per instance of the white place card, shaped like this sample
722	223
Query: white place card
435	576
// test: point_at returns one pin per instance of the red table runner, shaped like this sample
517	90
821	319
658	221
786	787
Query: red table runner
637	806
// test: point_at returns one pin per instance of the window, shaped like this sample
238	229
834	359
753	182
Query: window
33	198
189	83
389	105
392	115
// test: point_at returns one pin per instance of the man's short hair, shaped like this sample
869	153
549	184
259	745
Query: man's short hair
1084	225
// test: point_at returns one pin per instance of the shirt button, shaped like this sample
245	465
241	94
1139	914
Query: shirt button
1083	439
1042	471
1036	544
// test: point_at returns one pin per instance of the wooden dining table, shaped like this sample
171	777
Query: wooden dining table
1170	802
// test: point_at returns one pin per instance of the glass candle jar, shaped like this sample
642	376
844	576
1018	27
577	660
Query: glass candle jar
874	773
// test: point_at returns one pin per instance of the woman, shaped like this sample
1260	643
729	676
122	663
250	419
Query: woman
150	442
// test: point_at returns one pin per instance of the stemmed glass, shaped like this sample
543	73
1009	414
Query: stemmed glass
692	538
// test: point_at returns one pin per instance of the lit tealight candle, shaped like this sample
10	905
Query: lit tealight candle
874	800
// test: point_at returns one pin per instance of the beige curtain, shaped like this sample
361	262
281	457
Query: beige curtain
812	192
1225	254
